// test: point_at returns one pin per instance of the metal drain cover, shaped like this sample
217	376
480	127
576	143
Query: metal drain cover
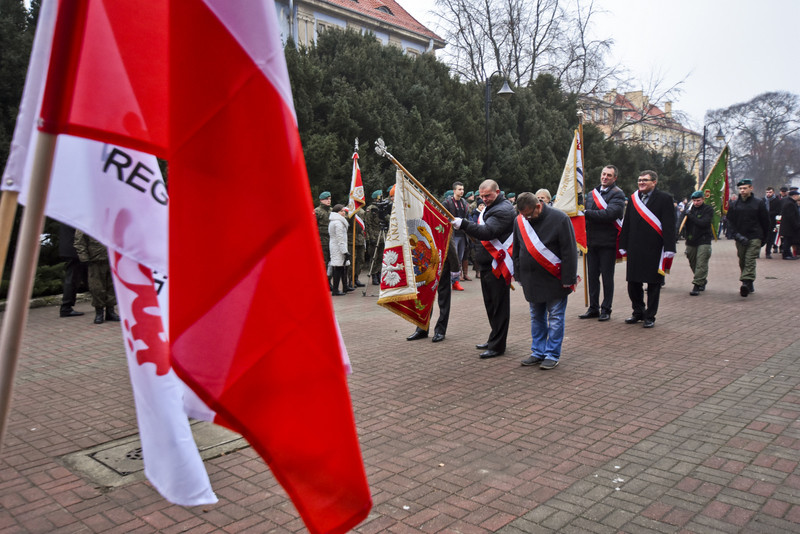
120	462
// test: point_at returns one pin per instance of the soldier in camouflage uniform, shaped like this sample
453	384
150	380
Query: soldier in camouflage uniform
323	215
101	286
375	240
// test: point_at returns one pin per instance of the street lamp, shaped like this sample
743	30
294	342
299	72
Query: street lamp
504	93
719	137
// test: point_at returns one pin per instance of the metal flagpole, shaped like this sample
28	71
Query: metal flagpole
24	271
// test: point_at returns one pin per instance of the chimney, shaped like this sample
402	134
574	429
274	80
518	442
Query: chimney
668	109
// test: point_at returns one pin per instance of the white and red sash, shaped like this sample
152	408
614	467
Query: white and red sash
502	264
665	263
601	202
537	249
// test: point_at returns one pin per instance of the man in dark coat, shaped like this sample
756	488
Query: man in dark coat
605	206
790	225
494	229
699	216
748	222
443	297
546	264
648	236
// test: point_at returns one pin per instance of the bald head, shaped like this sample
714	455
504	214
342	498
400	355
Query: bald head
488	191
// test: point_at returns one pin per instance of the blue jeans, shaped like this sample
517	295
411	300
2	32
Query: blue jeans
547	328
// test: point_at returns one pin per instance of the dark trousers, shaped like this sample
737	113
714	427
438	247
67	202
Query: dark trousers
443	299
74	273
497	302
601	262
636	294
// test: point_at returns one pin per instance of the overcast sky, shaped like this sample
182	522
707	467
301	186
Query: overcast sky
727	51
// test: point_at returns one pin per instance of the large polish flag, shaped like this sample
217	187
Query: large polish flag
98	189
238	333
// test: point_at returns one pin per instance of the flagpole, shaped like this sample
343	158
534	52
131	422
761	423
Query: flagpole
24	271
585	276
380	148
8	208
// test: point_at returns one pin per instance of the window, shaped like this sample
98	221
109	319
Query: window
385	9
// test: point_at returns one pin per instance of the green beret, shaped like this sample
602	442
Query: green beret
697	194
745	181
376	194
469	194
324	195
511	195
448	193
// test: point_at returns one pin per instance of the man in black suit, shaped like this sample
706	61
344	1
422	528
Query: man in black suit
605	206
648	236
494	229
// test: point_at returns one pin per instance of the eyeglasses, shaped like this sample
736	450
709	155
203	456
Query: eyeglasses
644	180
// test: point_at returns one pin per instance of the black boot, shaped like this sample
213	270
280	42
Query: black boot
111	315
376	279
99	314
359	283
337	277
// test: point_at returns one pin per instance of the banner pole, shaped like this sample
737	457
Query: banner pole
24	271
8	208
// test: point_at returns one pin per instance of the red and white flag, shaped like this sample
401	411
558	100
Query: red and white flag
99	189
570	188
356	189
235	336
413	257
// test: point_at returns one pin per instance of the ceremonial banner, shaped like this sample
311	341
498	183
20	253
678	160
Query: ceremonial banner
216	72
98	189
356	189
715	189
413	258
570	190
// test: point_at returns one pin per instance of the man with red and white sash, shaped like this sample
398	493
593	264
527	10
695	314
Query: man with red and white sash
494	228
605	206
648	236
546	264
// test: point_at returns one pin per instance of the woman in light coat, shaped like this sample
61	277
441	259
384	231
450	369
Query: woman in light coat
337	229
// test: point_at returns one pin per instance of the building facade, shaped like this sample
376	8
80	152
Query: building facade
631	118
304	20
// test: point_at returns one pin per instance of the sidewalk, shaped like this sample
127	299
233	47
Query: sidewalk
688	427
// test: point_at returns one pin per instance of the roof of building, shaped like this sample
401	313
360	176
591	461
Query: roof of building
390	12
649	111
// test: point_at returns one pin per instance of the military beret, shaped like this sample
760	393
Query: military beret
448	193
376	194
697	194
511	195
469	194
324	195
744	181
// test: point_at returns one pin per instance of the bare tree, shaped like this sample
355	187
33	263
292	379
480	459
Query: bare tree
524	38
765	136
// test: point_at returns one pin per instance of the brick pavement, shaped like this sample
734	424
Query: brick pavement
688	427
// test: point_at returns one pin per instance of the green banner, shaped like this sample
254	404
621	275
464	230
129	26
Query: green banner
715	189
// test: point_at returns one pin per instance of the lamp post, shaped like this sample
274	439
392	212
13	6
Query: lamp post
719	137
505	93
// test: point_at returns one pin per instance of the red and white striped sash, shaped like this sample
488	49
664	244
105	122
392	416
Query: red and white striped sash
502	264
665	263
600	201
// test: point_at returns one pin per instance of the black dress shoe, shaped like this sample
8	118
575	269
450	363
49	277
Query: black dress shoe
337	293
437	338
359	283
490	354
590	314
71	313
418	334
649	323
604	317
482	346
632	319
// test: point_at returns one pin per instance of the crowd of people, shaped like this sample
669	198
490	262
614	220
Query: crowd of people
508	237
